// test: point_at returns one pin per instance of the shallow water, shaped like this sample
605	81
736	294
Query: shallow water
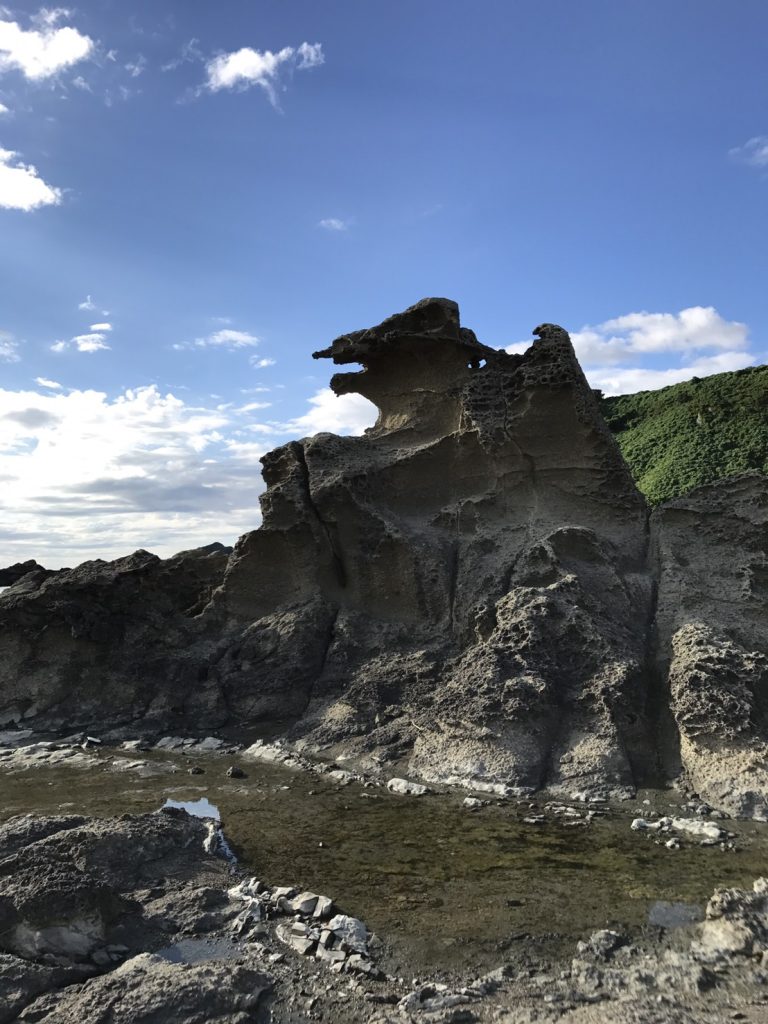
443	886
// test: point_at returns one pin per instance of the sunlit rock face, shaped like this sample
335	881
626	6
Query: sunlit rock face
710	555
466	589
463	586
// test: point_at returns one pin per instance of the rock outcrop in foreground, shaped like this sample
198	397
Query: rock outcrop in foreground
469	589
132	920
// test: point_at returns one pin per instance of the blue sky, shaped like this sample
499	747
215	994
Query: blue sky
195	195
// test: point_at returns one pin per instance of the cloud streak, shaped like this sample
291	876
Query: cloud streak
754	152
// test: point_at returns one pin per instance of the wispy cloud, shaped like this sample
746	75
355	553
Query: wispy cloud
101	327
261	363
3	109
87	304
45	383
136	67
42	52
754	152
244	68
226	338
9	348
21	187
334	224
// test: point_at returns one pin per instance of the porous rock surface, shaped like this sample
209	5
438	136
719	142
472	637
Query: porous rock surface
467	590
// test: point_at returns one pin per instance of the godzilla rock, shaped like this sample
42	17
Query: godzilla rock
464	585
464	591
105	639
710	550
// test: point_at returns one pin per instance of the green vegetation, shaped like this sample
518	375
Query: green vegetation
692	433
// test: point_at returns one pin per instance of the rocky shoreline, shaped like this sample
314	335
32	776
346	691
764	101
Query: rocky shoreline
136	919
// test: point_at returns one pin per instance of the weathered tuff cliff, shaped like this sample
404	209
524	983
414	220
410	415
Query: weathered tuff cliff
467	588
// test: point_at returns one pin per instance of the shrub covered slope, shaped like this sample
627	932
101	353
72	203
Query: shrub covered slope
693	433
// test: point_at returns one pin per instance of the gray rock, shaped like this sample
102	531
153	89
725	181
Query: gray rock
406	788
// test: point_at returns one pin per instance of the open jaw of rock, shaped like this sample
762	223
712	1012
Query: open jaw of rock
472	590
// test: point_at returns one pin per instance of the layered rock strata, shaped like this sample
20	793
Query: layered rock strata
465	589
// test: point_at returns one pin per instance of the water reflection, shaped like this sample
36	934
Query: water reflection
201	808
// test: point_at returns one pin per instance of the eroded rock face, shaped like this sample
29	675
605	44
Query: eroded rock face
465	584
465	590
711	557
106	640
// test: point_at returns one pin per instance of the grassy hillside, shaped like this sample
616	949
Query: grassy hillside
692	433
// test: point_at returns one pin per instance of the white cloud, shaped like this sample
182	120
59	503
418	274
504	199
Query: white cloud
89	342
100	327
247	67
21	188
3	109
226	338
695	342
333	224
87	304
754	152
617	381
86	475
9	348
337	414
261	364
39	54
92	342
694	329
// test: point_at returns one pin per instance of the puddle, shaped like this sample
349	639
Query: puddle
198	951
201	808
442	886
674	915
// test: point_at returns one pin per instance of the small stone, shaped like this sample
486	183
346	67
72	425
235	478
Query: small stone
350	930
405	788
472	803
302	945
195	770
101	958
297	928
672	844
332	956
323	908
276	958
233	772
304	903
210	743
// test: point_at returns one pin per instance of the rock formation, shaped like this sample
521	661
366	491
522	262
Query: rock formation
467	589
